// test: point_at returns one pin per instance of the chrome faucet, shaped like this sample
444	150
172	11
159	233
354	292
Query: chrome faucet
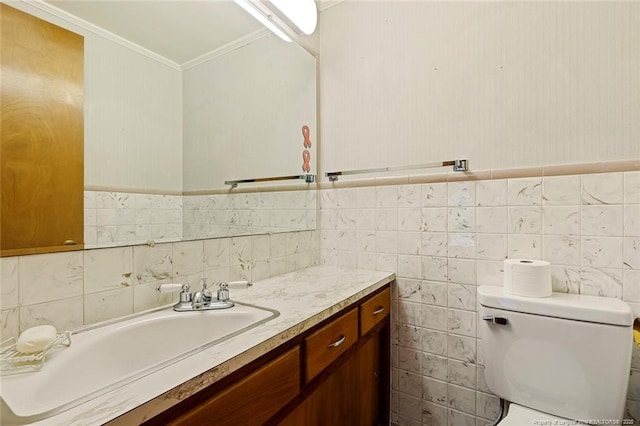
202	300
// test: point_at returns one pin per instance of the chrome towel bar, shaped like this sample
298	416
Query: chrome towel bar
458	166
308	178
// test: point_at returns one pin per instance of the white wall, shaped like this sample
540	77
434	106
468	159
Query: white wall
133	113
244	111
505	84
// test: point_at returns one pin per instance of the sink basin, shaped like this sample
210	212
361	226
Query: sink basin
104	357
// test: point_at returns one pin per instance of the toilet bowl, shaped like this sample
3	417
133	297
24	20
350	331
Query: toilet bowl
556	360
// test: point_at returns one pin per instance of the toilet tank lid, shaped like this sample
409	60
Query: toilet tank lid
605	310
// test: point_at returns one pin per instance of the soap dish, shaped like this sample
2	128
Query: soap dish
12	361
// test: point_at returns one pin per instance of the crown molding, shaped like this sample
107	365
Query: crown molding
59	13
224	49
324	5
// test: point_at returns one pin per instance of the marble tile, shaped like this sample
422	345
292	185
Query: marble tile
409	219
366	197
602	188
434	219
386	262
461	322
346	198
409	266
562	250
462	296
461	271
434	317
387	242
601	282
634	385
561	220
434	342
146	297
491	246
48	277
462	245
409	336
434	195
410	383
525	220
462	399
409	313
188	258
409	196
366	219
434	414
387	219
108	269
9	282
561	190
328	199
410	360
631	252
9	324
631	285
461	219
481	381
434	390
328	219
524	246
632	187
346	241
602	252
90	199
434	366
434	244
434	293
408	289
461	348
524	192
108	305
492	220
457	418
491	192
565	279
347	218
434	268
409	243
64	314
487	406
462	193
152	264
461	373
387	196
490	272
410	406
366	241
602	220
632	220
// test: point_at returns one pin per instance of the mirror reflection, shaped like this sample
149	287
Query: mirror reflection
179	97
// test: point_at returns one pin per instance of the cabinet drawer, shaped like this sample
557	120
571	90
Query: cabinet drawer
254	399
374	310
327	344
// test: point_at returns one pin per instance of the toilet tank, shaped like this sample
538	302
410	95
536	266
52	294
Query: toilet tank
568	355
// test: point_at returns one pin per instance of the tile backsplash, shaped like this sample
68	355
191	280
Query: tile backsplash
113	218
72	289
444	239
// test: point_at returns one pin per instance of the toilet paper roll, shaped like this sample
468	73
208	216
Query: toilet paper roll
527	277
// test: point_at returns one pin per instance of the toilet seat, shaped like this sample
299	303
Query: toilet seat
523	416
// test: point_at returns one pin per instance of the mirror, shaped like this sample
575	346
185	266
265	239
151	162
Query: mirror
179	97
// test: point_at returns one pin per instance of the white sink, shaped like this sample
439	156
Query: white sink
104	357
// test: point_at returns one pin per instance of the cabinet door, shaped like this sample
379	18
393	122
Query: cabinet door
369	376
42	140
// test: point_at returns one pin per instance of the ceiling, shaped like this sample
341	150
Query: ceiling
179	30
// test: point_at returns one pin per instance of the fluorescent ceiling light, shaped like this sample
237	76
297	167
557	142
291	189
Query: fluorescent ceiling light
264	19
302	13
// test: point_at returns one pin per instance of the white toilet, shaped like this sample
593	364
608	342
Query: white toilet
556	359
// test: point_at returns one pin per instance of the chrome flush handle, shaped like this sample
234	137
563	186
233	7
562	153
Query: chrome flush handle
496	319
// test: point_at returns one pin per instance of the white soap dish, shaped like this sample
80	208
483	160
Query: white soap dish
12	361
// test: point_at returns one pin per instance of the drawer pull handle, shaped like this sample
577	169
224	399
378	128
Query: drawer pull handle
338	342
379	310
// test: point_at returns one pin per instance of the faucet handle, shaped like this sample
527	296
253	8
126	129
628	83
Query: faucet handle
172	287
239	284
223	292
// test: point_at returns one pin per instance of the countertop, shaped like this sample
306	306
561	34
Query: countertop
304	298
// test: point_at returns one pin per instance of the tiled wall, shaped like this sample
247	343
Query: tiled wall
82	287
113	218
444	239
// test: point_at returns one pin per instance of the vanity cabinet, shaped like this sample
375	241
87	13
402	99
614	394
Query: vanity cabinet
42	138
336	373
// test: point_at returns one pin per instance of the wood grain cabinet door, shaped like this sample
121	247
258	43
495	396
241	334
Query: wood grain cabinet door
42	135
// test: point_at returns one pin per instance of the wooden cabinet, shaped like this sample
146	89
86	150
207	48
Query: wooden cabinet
310	380
42	138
